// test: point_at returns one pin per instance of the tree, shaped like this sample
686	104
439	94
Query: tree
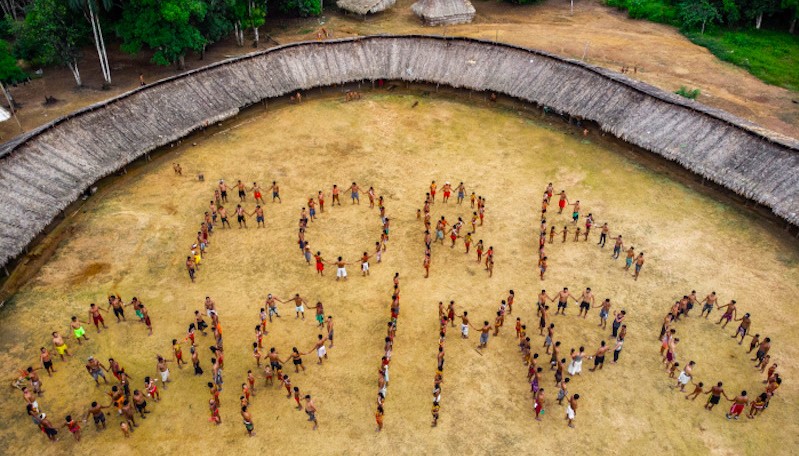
91	10
302	8
52	34
756	8
249	14
11	73
169	27
14	8
731	11
696	12
218	21
792	5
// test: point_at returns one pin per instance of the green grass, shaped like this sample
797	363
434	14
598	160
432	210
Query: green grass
768	55
660	11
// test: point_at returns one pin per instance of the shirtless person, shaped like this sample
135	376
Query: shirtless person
743	328
310	409
562	201
563	297
256	193
330	330
275	192
241	216
299	305
604	311
738	405
246	418
484	333
599	357
461	190
571	409
191	268
586	301
341	271
464	324
259	216
117	305
242	191
542	266
95	368
223	217
639	263
617	247
96	411
715	393
709	303
77	329
163	369
729	314
47	361
271	305
96	316
762	350
447	189
320	349
223	191
59	345
354	193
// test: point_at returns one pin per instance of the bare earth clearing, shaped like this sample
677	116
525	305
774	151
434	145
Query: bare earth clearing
132	238
604	36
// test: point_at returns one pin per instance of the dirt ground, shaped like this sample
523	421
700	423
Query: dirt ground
600	35
132	237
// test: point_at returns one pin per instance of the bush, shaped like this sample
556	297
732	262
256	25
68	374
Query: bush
302	8
662	11
690	94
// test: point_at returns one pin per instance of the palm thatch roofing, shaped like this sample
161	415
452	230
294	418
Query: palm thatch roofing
46	169
364	7
444	12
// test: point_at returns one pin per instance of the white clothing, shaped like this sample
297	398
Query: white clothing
465	330
684	378
165	375
321	351
365	267
341	272
570	412
575	367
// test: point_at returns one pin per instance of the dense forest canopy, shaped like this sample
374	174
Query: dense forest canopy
58	32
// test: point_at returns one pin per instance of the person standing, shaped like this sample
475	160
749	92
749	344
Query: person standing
310	409
571	409
246	418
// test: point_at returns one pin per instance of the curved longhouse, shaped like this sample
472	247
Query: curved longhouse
43	171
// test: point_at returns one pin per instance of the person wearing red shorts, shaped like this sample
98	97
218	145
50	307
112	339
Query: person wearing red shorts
447	191
320	263
539	404
562	200
97	317
738	406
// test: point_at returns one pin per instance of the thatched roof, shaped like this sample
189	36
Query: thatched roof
364	7
444	12
44	170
